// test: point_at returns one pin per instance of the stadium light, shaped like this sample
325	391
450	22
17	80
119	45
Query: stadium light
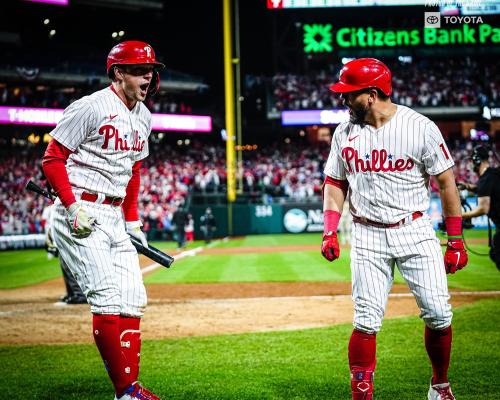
345	60
54	2
309	117
46	21
35	139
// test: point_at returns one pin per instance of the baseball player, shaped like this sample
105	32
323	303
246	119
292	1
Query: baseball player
381	160
488	196
93	164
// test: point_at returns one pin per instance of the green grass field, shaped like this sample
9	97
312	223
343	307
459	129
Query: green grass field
302	266
305	364
23	268
28	267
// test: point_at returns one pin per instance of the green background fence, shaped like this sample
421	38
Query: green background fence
260	219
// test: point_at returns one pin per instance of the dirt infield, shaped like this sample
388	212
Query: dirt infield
31	316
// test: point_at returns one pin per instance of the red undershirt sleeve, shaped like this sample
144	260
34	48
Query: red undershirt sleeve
340	183
130	203
54	168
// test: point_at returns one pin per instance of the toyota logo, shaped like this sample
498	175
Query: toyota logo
432	20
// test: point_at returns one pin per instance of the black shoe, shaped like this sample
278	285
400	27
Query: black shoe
64	299
76	300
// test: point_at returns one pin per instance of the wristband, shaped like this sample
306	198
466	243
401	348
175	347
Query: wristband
454	227
331	221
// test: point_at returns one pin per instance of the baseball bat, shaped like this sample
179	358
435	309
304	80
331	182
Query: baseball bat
151	252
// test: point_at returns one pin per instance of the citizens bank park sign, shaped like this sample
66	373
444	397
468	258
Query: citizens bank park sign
322	38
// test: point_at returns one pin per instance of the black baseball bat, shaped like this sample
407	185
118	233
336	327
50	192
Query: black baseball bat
151	252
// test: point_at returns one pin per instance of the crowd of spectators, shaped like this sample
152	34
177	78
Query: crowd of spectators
20	211
287	171
171	173
61	97
167	178
426	83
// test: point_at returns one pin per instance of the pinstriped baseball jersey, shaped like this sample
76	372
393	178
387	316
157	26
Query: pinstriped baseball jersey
388	168
106	139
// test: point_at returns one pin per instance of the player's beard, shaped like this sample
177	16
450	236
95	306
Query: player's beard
358	114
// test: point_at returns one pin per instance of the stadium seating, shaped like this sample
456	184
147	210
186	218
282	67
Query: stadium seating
60	97
426	83
288	172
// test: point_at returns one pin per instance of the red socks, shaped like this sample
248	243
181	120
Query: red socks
362	360
438	346
107	338
130	339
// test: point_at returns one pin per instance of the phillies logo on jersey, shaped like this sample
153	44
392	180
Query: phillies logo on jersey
110	132
376	161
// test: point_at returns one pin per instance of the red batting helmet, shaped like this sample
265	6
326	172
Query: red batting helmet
134	52
364	73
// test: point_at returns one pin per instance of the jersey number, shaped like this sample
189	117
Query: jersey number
444	151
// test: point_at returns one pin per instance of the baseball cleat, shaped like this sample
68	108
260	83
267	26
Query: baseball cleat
136	391
440	391
75	300
70	300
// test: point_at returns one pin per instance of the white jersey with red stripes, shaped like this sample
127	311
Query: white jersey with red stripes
388	172
106	139
388	168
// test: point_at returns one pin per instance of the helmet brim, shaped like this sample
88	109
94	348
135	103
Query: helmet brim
341	87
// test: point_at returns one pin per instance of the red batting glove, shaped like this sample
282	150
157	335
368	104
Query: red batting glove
330	246
455	257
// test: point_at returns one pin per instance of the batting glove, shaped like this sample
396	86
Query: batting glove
81	225
134	229
330	246
455	257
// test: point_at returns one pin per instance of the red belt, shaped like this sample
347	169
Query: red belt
92	197
413	217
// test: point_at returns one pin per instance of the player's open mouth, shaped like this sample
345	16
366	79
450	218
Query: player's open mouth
144	87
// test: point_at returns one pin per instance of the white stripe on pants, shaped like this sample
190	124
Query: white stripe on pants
105	264
415	250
